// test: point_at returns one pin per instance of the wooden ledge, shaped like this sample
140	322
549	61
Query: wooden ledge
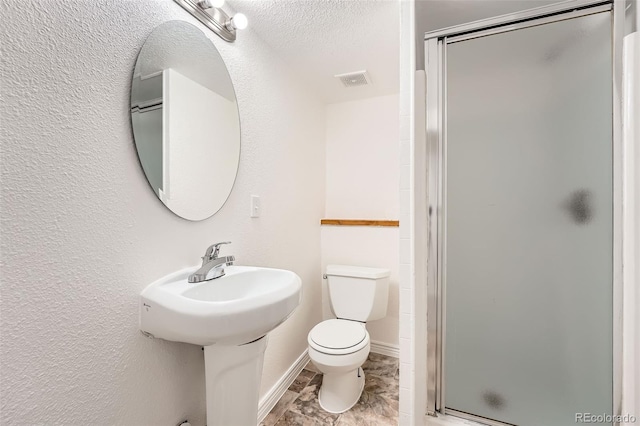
359	222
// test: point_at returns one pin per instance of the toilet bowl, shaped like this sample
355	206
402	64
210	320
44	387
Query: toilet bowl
339	347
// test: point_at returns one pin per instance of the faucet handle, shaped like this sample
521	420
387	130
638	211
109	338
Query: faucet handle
212	251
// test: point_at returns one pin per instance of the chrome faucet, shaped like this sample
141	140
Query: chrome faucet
212	265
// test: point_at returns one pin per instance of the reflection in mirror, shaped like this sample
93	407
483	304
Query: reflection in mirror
185	120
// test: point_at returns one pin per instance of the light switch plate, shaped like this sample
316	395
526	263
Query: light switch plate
255	206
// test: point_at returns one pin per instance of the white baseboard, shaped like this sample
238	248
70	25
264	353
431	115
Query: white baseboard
272	397
385	349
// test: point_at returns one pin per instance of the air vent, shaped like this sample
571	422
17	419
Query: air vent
353	79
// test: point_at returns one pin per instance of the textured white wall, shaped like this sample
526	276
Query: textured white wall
362	155
362	183
83	233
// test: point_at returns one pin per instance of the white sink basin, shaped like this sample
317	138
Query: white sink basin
240	307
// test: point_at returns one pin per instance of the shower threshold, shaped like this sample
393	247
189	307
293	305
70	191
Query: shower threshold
448	420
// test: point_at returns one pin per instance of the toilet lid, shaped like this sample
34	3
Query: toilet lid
338	334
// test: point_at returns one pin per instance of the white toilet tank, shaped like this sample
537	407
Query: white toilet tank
358	293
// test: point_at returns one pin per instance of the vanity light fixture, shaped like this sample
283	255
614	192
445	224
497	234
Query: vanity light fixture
208	4
209	12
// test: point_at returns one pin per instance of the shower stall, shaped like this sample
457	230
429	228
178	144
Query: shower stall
524	256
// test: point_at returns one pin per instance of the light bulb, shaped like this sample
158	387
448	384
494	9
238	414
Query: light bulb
239	21
217	3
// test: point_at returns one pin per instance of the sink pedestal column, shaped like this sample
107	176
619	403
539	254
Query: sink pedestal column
233	376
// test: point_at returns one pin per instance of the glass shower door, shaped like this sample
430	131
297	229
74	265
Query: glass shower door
528	231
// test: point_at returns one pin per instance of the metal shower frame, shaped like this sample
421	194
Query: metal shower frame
435	68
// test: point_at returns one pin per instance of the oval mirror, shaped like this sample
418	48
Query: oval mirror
185	120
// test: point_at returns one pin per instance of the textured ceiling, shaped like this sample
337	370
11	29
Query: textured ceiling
321	38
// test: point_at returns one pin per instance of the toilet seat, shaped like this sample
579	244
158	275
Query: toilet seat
338	337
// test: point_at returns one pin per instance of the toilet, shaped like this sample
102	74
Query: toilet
339	347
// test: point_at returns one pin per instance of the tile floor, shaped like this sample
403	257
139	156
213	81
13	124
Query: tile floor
378	405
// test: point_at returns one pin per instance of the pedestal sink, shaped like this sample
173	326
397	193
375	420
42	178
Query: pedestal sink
230	316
